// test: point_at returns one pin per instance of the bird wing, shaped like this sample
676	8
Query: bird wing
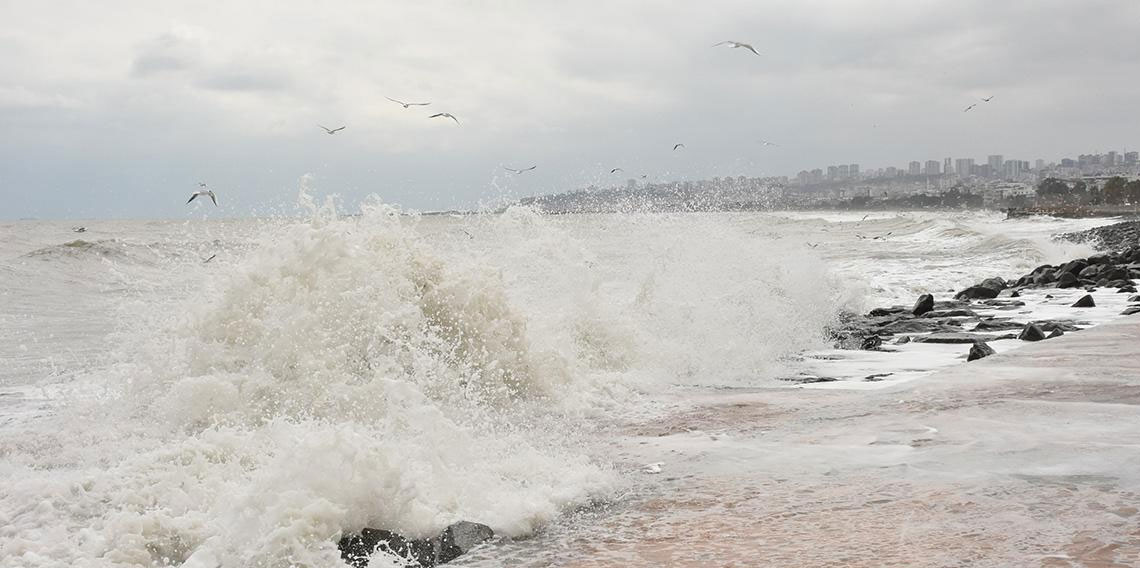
750	48
214	199
337	129
394	100
449	115
325	129
615	170
512	170
675	146
722	43
419	104
530	168
192	196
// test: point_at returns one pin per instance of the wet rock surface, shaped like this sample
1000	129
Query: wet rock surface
455	541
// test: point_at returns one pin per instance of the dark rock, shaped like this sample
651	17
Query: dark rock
1041	270
950	314
997	325
979	350
976	293
1048	296
1134	299
1067	280
903	340
1126	290
455	541
1091	271
924	304
1031	333
1086	301
1054	333
1015	294
913	326
1004	303
805	379
1130	310
1115	273
871	343
1063	325
1073	267
994	283
1102	258
876	377
957	338
879	312
1043	279
1120	283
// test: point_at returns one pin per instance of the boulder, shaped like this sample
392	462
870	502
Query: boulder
976	293
879	312
1015	294
1134	298
979	350
994	283
1044	278
1031	333
950	314
1126	290
1054	333
1063	325
1067	280
1073	267
871	343
456	540
997	325
1086	301
953	337
924	304
1091	271
1130	310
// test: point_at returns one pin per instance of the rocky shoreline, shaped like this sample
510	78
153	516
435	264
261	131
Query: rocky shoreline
958	321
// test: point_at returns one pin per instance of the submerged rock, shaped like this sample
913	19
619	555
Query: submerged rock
979	350
1086	301
455	541
924	304
976	293
958	338
1031	333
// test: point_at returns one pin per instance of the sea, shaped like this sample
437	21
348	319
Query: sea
243	392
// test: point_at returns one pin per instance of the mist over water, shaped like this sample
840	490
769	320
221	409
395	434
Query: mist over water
329	373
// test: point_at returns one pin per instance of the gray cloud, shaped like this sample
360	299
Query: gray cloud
234	95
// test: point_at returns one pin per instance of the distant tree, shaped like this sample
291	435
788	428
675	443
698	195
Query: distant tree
1053	188
1096	197
1132	189
1115	191
1079	188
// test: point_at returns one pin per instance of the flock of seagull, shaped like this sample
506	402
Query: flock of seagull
205	191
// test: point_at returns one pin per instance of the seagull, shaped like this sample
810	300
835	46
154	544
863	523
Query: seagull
643	176
615	170
970	107
767	143
445	115
334	130
813	245
988	99
202	185
79	229
514	171
406	105
675	146
736	44
204	192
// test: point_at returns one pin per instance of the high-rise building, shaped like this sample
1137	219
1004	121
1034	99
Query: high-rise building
1012	169
844	171
914	168
946	166
891	172
832	172
932	168
1111	159
817	175
1040	164
1131	157
964	167
995	162
854	170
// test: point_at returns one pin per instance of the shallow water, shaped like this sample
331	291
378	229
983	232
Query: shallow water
330	373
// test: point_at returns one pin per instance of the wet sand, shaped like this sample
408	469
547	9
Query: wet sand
1026	458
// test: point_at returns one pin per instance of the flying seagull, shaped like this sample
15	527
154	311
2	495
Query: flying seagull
445	115
767	143
209	259
988	99
334	130
79	229
406	105
204	192
970	107
675	146
202	185
736	44
516	171
615	170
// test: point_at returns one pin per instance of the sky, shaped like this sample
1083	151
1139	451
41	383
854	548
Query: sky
118	109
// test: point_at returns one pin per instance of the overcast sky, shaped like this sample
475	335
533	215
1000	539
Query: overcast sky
117	109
